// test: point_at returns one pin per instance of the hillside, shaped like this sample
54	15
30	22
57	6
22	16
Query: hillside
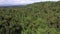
37	18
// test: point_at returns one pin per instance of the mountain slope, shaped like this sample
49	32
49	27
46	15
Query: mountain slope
37	18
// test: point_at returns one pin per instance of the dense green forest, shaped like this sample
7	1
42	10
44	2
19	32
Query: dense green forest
37	18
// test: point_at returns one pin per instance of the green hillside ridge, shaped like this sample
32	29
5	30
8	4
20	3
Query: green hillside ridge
37	18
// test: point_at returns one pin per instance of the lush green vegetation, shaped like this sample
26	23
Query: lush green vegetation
37	18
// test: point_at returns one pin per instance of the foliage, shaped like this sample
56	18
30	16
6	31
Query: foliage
37	18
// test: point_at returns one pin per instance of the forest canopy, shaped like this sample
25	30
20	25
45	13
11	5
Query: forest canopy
37	18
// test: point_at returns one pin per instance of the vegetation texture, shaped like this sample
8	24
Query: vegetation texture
37	18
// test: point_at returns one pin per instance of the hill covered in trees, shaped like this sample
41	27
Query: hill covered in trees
37	18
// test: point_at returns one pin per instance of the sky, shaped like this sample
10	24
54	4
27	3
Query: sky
20	2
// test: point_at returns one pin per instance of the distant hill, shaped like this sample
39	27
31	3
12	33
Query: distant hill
12	6
37	18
